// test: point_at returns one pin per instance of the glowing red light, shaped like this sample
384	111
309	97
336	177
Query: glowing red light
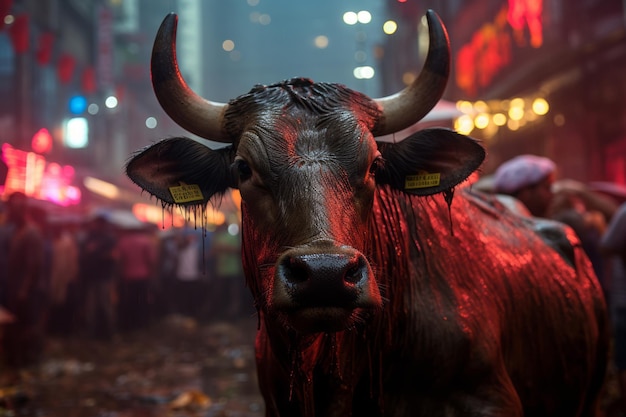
42	141
54	169
68	171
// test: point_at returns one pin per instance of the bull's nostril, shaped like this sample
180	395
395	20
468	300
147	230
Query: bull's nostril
295	270
354	273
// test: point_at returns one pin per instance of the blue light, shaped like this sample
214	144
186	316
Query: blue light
77	104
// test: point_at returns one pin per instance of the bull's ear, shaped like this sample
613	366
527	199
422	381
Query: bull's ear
181	171
429	161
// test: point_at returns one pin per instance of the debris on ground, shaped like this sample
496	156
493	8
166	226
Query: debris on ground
176	368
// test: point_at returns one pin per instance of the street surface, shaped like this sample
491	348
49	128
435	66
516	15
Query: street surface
176	368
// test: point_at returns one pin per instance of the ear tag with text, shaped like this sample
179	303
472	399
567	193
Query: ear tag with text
186	193
422	180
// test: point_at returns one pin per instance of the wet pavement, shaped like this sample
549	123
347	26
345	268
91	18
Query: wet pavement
175	368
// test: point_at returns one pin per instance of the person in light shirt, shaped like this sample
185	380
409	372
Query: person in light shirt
190	290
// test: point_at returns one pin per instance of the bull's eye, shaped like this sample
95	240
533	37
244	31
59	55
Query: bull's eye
242	169
377	164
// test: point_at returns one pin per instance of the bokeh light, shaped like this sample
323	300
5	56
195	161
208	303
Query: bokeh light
540	106
390	27
151	122
111	102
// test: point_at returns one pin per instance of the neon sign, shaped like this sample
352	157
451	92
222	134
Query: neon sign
490	49
526	13
32	175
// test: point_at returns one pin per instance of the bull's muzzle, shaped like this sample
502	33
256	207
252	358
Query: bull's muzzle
324	290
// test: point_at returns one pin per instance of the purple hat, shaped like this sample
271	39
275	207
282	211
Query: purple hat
522	171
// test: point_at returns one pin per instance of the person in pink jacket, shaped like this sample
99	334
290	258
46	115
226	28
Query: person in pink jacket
137	249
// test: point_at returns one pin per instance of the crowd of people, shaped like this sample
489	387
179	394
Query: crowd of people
92	279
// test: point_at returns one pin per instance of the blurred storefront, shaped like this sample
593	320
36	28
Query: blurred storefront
569	57
78	69
74	103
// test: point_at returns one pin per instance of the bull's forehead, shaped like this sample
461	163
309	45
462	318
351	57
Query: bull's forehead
300	137
299	117
280	142
310	168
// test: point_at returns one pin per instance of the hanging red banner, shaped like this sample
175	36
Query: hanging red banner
89	80
65	68
19	33
44	48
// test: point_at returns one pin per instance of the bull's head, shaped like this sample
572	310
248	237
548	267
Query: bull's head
304	158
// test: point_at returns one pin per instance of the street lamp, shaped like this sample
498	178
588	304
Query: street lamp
362	17
111	102
352	18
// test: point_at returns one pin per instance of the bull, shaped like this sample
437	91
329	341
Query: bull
384	285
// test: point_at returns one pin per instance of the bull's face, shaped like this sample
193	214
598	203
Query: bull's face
307	165
307	183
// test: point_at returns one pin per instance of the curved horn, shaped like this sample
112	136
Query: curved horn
410	105
191	112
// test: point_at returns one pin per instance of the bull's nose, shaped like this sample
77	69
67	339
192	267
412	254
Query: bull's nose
323	280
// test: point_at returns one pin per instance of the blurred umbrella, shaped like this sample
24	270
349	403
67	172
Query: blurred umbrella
124	219
612	189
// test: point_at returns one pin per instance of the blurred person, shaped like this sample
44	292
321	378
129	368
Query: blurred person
228	290
137	249
39	217
25	269
532	180
191	284
98	259
613	243
588	225
584	196
63	279
528	179
166	274
587	212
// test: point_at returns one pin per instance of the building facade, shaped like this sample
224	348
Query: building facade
570	53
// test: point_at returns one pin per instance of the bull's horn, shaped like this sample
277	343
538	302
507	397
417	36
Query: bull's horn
410	105
192	112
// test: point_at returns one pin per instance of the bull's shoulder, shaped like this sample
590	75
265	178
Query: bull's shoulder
555	234
496	204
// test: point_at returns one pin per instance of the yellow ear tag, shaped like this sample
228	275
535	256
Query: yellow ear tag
421	180
186	193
